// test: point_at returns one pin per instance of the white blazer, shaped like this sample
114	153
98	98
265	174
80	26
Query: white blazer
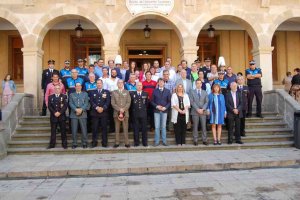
174	101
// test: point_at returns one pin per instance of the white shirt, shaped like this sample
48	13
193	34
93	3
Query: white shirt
105	83
172	74
154	78
112	85
234	98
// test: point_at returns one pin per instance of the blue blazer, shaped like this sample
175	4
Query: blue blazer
12	85
161	98
221	106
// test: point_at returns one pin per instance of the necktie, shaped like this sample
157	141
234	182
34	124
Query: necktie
199	94
99	91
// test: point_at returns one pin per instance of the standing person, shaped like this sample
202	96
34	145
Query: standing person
154	77
111	66
139	104
123	69
254	83
100	102
99	67
71	82
8	89
222	82
206	68
65	73
194	75
295	89
205	84
187	85
149	86
229	75
57	105
180	103
186	68
105	78
170	85
132	69
178	72
287	82
217	112
244	92
46	79
91	69
156	67
120	101
161	102
172	73
90	84
234	106
82	70
130	86
50	89
213	74
145	68
199	103
79	102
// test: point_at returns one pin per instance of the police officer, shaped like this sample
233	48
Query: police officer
100	101
244	91
139	103
90	86
65	73
82	71
91	70
206	67
57	105
46	79
71	82
254	84
222	82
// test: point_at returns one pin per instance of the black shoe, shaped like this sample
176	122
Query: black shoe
205	143
219	143
243	135
215	142
164	144
195	143
260	116
248	116
65	147
84	146
239	142
94	144
116	145
50	147
136	145
104	145
145	145
127	145
229	142
74	146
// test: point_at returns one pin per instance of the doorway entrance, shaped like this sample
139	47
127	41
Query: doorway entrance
142	54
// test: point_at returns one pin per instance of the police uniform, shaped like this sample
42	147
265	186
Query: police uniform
139	103
223	84
89	87
71	84
99	98
244	92
65	74
82	72
46	79
58	103
254	86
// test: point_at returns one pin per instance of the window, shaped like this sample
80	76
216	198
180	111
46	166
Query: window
208	47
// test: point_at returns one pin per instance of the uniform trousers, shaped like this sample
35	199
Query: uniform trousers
140	123
74	125
255	90
62	125
125	130
102	121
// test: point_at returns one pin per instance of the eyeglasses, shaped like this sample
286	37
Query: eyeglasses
252	64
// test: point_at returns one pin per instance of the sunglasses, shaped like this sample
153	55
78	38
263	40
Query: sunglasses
252	64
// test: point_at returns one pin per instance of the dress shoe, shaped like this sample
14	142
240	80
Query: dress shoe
215	142
195	143
127	145
104	145
145	146
205	143
50	147
65	147
84	146
74	146
116	146
219	142
239	142
260	116
229	142
164	144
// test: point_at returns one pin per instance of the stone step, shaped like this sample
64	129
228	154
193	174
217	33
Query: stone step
171	141
122	149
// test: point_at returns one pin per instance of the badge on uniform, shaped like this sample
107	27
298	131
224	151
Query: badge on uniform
104	95
94	95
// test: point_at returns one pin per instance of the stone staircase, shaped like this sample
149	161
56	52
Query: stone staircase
33	133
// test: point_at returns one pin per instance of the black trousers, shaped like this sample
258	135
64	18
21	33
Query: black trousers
150	115
96	121
111	120
140	123
243	123
180	129
257	92
234	122
44	109
62	125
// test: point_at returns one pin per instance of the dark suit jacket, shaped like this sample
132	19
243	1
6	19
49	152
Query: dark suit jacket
139	104
230	104
245	94
47	77
161	98
99	100
59	104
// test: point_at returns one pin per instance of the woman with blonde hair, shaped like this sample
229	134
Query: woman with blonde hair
180	104
217	111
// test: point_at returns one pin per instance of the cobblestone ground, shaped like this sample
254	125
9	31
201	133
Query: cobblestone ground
262	184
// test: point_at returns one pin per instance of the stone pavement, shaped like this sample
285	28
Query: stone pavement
261	184
23	166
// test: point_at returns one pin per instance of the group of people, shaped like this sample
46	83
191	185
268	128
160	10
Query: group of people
106	97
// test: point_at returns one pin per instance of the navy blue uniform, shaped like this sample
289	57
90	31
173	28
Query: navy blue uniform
99	99
82	72
254	89
65	74
244	92
205	71
224	84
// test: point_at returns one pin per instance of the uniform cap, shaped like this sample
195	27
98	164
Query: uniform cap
51	61
252	62
67	62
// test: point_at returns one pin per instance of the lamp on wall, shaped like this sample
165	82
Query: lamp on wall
79	30
147	30
211	31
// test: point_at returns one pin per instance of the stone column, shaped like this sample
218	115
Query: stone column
110	52
263	58
32	73
189	53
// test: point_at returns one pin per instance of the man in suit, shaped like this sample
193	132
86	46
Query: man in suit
100	101
120	101
234	107
139	103
244	92
46	79
161	102
79	103
57	105
187	84
199	103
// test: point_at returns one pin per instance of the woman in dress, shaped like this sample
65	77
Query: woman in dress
217	111
180	103
8	89
131	70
